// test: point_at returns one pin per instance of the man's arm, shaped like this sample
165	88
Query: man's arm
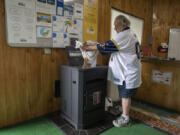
105	48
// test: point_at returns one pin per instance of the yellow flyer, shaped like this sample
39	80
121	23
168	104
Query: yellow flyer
90	21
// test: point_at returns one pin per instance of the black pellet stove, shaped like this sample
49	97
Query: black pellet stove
83	93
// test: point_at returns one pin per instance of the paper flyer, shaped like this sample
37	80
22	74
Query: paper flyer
58	23
68	11
44	19
44	32
162	77
60	7
21	21
77	26
58	31
46	6
90	20
58	39
68	25
78	11
66	39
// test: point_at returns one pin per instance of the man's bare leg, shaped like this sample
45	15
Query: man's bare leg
126	104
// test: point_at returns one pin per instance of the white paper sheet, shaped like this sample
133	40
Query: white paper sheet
162	77
77	27
78	11
46	6
58	24
58	31
58	40
68	11
66	39
20	15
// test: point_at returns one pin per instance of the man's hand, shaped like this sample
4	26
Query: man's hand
89	46
92	47
84	43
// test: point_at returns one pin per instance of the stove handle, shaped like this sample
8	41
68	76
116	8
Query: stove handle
74	82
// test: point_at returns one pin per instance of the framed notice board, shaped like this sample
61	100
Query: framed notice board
41	24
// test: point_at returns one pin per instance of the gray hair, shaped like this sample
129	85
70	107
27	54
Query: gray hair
123	21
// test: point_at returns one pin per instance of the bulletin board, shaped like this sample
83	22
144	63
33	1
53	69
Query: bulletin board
43	23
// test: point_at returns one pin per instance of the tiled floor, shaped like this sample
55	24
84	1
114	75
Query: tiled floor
70	130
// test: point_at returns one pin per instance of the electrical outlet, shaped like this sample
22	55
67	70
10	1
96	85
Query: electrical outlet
47	51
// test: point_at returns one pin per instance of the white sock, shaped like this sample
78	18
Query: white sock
126	117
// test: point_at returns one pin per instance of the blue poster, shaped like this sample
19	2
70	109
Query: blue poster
60	7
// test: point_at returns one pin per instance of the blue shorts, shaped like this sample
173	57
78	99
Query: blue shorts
126	93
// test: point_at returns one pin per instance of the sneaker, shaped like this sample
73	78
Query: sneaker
121	121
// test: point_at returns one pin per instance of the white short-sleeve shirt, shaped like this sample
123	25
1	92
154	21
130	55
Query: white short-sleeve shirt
124	65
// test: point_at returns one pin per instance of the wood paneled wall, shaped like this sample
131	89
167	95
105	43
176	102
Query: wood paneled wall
103	27
139	8
27	79
158	93
27	75
166	15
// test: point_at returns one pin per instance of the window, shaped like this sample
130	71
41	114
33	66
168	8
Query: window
136	23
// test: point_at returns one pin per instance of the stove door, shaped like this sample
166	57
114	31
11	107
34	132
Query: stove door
94	95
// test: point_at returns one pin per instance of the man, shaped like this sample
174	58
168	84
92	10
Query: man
124	64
